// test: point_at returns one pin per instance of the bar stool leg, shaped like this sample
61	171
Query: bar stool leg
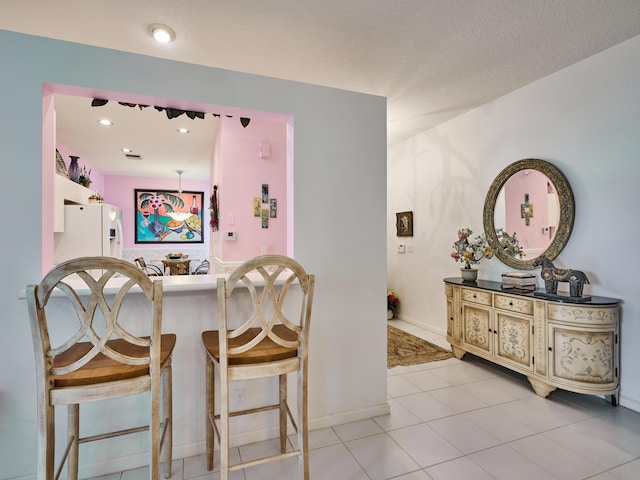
73	434
210	371
224	425
283	413
167	410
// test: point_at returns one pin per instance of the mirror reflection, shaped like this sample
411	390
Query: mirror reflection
528	205
532	198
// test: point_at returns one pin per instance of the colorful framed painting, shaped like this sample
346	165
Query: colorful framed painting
404	224
265	218
265	193
168	216
256	206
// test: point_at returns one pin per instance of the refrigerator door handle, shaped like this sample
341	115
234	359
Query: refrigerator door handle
118	237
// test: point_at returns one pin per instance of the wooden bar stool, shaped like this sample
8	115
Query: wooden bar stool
268	343
103	359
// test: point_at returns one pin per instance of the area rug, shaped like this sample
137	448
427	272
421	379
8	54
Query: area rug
406	349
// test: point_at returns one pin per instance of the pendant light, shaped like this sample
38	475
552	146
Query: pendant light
179	216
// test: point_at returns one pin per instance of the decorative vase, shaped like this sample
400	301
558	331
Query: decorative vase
74	169
389	314
469	274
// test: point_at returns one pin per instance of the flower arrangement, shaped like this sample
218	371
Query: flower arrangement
470	251
393	302
509	243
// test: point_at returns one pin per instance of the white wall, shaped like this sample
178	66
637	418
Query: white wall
585	120
339	234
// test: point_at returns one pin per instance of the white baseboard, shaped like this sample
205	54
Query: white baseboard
630	403
425	326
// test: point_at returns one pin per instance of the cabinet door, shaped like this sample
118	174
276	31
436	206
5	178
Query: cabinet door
514	339
583	356
477	329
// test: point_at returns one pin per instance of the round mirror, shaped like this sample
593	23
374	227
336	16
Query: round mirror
532	199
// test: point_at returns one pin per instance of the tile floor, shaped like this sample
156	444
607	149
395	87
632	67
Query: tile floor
454	420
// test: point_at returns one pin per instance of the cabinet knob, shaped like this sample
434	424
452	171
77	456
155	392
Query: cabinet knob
550	349
511	304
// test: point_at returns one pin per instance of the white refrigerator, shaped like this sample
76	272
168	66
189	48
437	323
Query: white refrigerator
89	230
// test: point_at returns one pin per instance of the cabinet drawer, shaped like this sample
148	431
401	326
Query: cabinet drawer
514	304
476	296
582	314
448	290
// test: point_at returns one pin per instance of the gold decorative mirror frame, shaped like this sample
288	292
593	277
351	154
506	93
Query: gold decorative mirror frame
566	211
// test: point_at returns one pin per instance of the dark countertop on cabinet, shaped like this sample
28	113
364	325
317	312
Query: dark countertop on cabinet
538	293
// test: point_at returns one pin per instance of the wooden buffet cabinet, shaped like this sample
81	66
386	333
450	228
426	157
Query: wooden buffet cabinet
555	343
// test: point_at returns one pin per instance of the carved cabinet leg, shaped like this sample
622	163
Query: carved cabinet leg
542	389
458	352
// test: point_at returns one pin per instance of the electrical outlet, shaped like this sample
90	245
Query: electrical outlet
238	397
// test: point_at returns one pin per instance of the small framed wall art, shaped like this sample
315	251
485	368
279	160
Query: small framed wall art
404	224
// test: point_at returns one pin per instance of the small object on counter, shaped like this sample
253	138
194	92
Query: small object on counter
522	280
96	198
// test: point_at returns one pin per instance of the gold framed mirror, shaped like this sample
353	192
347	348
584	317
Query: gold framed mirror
532	198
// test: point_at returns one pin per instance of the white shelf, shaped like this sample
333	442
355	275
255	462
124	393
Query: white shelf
66	192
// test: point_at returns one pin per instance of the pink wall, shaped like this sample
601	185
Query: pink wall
119	191
242	173
535	184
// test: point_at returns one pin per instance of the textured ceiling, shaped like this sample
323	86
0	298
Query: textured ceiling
432	59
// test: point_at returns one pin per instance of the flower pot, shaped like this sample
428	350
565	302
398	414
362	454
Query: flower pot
389	314
469	274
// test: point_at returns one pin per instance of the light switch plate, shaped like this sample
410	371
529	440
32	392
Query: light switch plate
401	248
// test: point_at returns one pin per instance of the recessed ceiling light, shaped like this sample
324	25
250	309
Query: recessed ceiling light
161	33
106	123
127	150
183	130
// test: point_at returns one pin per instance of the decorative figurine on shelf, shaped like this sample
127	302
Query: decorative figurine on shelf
552	275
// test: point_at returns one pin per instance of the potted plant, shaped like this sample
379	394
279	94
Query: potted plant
85	177
470	252
393	304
